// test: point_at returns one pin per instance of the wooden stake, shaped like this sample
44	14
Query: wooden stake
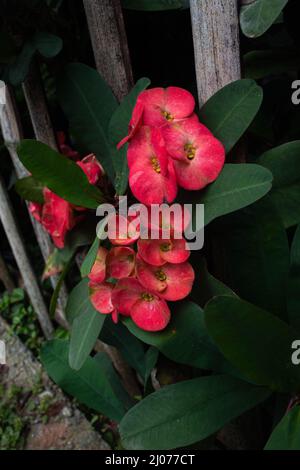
109	41
216	45
18	249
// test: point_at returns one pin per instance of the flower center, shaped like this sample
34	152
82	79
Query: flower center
168	116
165	247
160	275
148	297
190	151
155	164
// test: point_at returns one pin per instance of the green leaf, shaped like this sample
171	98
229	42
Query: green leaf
231	110
78	301
89	105
17	71
205	285
107	367
257	256
131	348
184	413
257	17
58	173
155	5
151	357
30	189
284	163
254	341
90	258
286	434
118	128
293	298
237	186
55	295
48	45
185	340
90	385
261	63
84	333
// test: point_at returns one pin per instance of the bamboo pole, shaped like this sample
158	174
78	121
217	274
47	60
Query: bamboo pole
215	27
5	276
109	41
12	134
18	249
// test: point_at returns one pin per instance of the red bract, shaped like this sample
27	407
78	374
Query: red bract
57	217
151	173
163	105
146	309
101	298
159	252
36	210
135	122
170	281
198	155
98	271
122	230
91	168
120	262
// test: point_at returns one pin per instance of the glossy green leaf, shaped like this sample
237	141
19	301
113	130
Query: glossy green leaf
185	340
78	301
130	347
118	129
237	186
184	413
58	173
90	258
47	44
17	71
286	435
257	17
255	342
90	385
262	63
84	333
89	105
231	110
284	163
155	5
293	298
30	189
107	367
257	256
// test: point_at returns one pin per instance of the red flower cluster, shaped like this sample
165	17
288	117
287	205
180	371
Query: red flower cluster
57	215
169	147
158	272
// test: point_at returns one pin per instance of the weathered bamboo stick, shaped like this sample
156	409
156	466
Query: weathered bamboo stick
216	45
109	41
18	249
12	134
5	276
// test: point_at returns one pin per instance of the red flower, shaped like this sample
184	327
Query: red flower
170	281
36	210
198	156
163	105
122	230
91	168
135	122
57	217
151	173
98	271
159	252
120	262
146	309
101	298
